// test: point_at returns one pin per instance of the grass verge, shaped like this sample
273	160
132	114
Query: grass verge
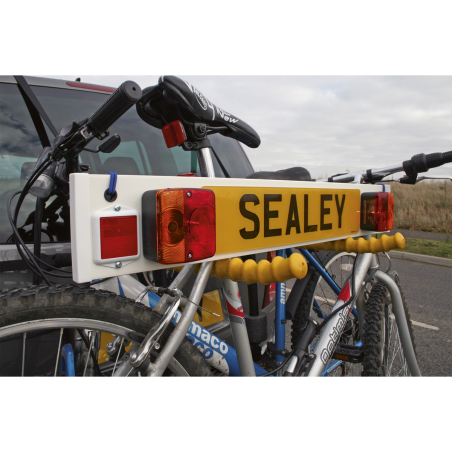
428	247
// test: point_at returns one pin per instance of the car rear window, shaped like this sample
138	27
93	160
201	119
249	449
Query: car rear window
142	151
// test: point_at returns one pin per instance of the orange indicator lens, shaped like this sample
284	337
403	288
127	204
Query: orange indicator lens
185	225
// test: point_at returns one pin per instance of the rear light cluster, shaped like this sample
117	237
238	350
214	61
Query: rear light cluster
377	211
178	225
174	134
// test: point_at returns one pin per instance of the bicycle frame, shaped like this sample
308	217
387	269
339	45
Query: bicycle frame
237	361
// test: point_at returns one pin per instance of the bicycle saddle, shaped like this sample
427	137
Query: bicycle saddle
174	99
296	173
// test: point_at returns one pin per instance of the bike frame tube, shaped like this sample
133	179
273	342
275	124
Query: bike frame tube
280	315
319	268
326	344
402	325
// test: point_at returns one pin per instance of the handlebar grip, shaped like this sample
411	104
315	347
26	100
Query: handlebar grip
127	95
421	163
438	158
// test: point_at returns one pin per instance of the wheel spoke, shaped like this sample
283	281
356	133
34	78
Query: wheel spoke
93	334
59	350
23	352
117	356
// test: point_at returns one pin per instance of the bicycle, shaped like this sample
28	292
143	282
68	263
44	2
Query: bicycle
140	341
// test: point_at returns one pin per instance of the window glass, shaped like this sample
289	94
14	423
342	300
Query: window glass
142	151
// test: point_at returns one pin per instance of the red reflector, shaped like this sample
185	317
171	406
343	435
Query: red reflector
118	237
106	89
187	175
377	211
174	134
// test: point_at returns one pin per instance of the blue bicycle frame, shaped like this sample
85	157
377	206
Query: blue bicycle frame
211	346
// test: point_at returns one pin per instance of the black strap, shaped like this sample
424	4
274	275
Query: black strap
36	113
25	87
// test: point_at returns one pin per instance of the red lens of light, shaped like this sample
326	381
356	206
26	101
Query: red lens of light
186	225
80	85
118	237
200	220
377	212
174	134
384	211
187	175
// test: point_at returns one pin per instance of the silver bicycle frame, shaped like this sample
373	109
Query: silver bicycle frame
364	270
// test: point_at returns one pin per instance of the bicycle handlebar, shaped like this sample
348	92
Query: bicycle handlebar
421	163
127	95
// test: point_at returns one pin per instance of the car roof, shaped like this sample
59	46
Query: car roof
57	83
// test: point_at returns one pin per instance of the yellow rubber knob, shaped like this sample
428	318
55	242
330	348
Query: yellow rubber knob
298	266
264	272
373	245
235	269
221	268
249	272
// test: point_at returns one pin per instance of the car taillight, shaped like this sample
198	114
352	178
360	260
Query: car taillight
174	134
178	225
377	211
116	236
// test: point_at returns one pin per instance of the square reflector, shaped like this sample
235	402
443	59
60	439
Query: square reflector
118	237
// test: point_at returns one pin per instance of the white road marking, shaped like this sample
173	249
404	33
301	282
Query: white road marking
422	325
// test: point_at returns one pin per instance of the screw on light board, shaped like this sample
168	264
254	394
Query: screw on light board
188	194
117	208
118	264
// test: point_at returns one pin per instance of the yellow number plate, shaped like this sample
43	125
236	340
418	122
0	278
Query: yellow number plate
250	218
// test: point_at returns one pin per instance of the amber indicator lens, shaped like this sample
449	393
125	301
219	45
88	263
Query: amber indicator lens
185	225
377	211
174	134
118	237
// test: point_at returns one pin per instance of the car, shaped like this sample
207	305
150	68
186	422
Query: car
23	135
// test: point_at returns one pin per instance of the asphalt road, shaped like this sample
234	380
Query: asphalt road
428	292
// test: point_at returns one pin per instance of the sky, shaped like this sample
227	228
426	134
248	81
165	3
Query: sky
330	124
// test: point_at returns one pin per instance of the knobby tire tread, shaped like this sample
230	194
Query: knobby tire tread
373	338
66	301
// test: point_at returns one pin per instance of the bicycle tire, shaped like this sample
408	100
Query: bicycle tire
383	354
30	309
317	288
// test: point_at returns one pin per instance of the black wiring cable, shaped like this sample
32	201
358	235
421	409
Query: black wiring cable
32	257
352	298
21	242
271	372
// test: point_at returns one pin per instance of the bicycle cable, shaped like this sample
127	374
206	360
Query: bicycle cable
277	368
347	303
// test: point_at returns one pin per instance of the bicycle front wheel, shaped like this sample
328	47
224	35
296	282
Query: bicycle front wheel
383	352
35	324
